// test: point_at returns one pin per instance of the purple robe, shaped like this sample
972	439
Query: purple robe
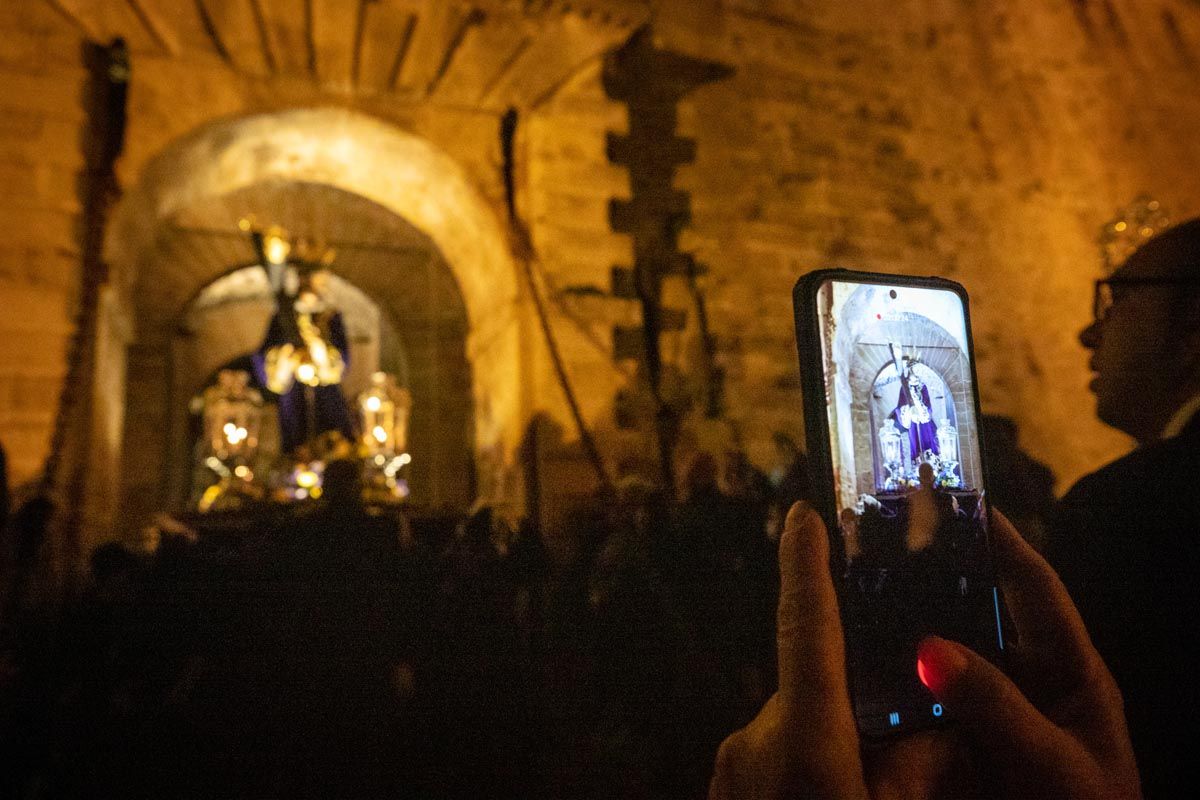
922	436
329	412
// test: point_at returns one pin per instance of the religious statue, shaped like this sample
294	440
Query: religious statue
302	360
913	413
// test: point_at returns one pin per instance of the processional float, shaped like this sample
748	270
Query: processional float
300	365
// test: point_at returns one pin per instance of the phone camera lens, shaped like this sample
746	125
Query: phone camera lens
892	294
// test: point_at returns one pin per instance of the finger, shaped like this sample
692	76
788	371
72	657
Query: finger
990	707
812	667
926	764
1048	625
813	696
1056	662
820	748
729	778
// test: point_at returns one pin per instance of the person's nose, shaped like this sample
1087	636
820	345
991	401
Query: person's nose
1089	337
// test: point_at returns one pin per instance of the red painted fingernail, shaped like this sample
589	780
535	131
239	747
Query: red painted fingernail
939	663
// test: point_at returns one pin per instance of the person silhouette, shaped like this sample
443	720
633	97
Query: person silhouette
1124	537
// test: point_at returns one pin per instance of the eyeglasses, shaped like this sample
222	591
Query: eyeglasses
1105	293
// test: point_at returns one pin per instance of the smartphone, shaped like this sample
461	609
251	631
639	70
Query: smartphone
892	426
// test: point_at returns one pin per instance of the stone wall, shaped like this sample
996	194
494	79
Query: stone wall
986	142
40	120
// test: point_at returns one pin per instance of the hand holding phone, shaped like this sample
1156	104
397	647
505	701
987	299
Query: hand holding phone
1059	731
891	417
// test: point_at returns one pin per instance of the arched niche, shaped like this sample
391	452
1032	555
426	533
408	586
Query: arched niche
942	355
225	324
401	174
862	321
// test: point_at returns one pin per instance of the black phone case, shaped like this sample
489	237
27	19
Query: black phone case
816	429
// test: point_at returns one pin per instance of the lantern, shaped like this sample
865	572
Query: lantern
947	436
383	411
889	450
232	417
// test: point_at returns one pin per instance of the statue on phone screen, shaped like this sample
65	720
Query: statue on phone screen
913	413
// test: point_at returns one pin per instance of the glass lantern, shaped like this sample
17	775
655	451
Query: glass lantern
890	452
947	436
383	411
232	418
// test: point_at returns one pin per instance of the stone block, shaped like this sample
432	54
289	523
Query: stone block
594	176
33	309
36	396
563	241
43	184
28	226
571	140
37	137
25	444
56	95
55	54
40	266
582	209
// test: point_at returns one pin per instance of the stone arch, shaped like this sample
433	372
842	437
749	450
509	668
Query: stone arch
225	321
358	154
941	352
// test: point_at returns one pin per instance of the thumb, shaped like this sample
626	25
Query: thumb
989	706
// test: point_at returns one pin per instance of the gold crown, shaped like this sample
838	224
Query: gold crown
310	255
306	255
1132	227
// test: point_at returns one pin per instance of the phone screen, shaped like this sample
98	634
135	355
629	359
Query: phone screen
911	520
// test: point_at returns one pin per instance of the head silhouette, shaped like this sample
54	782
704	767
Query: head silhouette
341	484
1145	352
925	474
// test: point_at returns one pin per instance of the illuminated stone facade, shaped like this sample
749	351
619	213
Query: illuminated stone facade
985	142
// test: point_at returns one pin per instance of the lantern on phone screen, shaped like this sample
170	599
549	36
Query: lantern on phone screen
889	450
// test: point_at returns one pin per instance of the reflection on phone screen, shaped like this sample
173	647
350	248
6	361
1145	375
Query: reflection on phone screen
908	485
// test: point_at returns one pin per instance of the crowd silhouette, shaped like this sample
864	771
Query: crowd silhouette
336	650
